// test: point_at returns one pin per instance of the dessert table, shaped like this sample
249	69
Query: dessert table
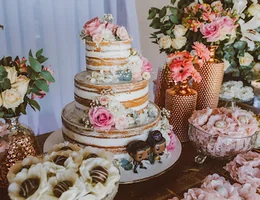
184	174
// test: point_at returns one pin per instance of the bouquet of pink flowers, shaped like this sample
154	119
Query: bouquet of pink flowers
97	30
232	25
21	82
181	64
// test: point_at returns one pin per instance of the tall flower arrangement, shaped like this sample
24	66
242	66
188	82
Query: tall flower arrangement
232	25
21	82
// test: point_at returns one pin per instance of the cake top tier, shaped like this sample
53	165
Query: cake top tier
98	31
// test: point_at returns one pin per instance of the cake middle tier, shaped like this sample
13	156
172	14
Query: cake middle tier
132	95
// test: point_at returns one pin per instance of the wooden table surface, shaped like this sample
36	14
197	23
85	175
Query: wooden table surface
183	175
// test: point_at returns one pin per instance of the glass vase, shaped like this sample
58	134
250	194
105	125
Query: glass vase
16	143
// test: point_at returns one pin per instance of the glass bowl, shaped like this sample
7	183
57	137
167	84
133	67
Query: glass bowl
220	147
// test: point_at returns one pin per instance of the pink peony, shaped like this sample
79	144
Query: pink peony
122	33
93	26
121	123
112	27
3	145
97	38
147	66
201	50
211	31
3	129
101	118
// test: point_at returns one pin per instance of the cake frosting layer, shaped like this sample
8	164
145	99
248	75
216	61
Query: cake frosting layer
130	94
113	140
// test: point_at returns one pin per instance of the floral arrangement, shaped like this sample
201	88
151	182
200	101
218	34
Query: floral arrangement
181	64
70	172
97	30
106	113
244	168
235	91
217	187
232	25
231	122
137	68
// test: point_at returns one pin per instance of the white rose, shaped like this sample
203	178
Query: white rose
179	31
21	84
246	59
122	33
146	76
97	38
178	43
239	6
256	68
108	35
12	74
254	9
11	98
165	42
226	64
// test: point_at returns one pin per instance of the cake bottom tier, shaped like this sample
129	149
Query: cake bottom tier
114	140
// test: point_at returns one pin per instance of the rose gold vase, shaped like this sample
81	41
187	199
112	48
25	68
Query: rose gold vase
212	75
20	143
181	102
163	83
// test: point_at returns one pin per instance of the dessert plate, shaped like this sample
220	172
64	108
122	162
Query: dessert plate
128	177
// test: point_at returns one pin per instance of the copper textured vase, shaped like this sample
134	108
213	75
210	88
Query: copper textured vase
20	142
212	73
181	102
163	83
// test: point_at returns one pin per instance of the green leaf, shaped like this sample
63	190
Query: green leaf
173	2
155	21
174	19
152	15
1	114
36	91
30	53
240	45
42	59
22	108
3	73
46	75
34	104
39	53
35	65
41	84
157	10
174	10
6	84
162	13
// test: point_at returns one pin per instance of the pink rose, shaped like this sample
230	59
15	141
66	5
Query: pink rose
3	145
122	33
101	118
3	129
121	123
147	66
94	26
211	31
40	96
97	38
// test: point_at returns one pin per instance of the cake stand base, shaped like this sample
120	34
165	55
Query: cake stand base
128	177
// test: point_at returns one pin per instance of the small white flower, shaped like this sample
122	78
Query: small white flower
165	42
108	35
146	76
254	9
178	43
12	74
179	31
246	60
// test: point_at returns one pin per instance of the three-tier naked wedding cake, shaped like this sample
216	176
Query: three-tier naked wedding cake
111	107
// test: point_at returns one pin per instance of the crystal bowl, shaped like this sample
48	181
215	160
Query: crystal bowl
216	146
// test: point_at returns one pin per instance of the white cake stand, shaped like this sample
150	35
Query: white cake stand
128	177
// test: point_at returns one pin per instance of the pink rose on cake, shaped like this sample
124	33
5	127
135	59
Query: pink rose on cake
122	33
121	123
97	38
94	26
101	118
147	66
103	100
